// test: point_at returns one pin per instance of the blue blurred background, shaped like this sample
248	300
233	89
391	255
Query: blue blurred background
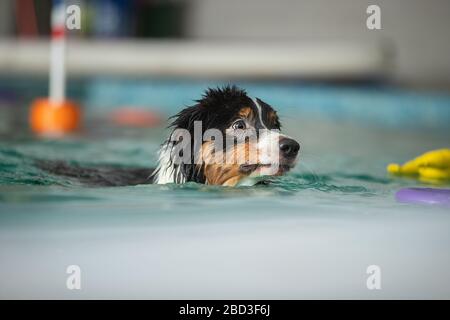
307	57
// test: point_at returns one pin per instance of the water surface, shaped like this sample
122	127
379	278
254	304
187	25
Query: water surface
311	233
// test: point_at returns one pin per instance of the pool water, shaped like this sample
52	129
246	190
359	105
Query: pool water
309	234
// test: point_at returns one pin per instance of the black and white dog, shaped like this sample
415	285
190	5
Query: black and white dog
226	139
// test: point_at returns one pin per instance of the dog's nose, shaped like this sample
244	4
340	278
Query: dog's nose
289	147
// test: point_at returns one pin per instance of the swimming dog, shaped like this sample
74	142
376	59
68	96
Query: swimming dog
226	138
230	139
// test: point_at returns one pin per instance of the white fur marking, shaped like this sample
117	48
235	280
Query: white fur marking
165	172
259	113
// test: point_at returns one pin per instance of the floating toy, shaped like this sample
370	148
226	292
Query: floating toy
432	166
55	115
424	196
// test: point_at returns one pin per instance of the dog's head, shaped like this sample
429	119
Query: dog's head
227	138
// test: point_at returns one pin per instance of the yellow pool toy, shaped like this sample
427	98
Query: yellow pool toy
432	166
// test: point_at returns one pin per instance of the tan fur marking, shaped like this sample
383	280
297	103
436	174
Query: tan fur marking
217	171
246	113
272	117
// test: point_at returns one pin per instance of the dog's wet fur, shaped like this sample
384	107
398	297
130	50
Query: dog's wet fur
102	176
219	108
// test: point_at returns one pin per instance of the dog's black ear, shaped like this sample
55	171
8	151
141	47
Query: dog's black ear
185	119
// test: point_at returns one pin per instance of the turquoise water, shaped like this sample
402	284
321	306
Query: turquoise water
311	233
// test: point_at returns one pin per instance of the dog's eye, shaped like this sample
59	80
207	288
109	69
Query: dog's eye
239	124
